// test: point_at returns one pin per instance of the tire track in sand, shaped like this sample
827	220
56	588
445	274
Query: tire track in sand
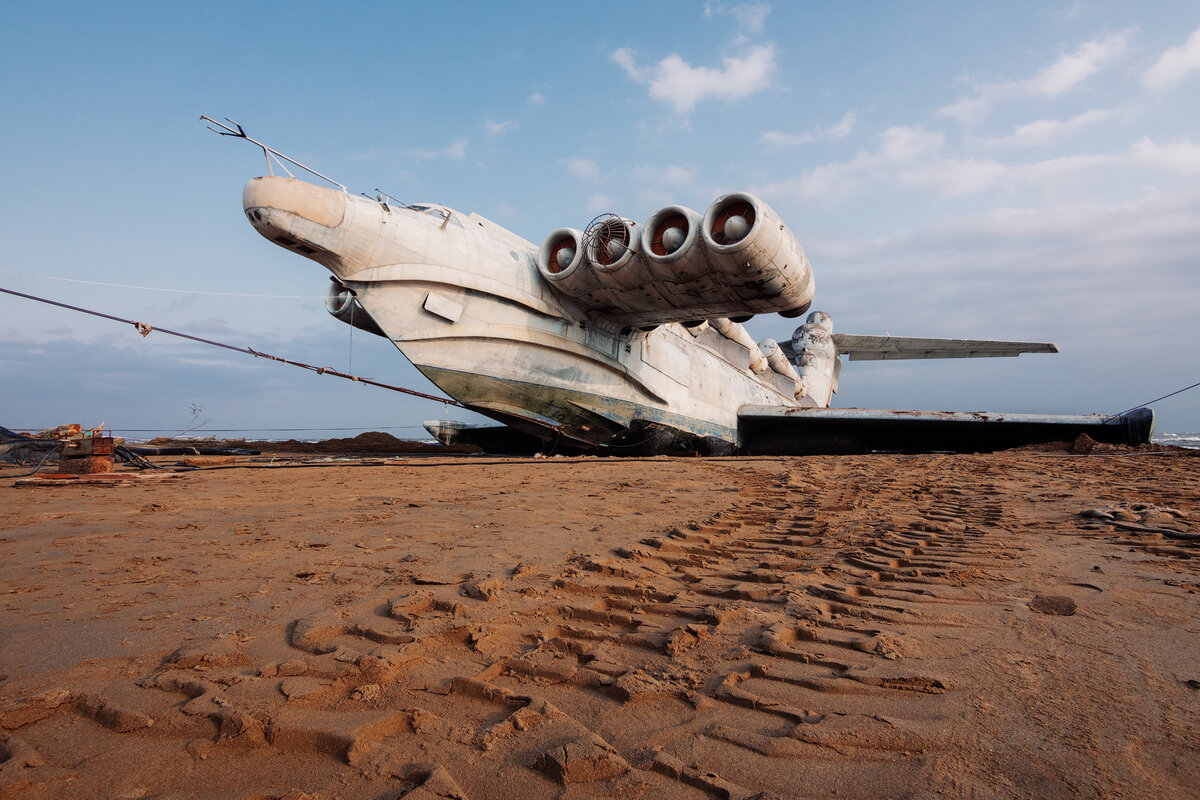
690	664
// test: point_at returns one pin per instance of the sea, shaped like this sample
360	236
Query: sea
1190	440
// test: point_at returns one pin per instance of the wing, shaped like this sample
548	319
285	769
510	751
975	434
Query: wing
888	348
782	430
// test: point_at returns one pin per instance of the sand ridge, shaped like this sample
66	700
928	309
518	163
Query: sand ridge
826	626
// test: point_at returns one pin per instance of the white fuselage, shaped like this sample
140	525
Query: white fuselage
462	298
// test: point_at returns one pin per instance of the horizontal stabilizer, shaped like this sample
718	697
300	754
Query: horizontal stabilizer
889	348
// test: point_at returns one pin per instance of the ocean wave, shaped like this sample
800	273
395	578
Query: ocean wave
1190	440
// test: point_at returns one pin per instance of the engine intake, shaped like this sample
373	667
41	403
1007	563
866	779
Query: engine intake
562	262
735	261
342	303
768	269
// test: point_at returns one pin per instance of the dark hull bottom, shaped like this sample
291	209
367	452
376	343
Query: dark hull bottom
794	432
852	431
642	440
494	439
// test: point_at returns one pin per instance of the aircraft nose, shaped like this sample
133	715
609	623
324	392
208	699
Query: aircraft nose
343	233
299	216
325	207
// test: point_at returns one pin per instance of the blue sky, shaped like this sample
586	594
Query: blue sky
1016	170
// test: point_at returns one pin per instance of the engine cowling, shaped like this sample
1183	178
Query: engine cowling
673	246
736	260
343	305
563	263
766	268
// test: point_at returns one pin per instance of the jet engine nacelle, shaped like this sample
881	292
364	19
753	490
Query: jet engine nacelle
342	304
562	263
735	261
765	265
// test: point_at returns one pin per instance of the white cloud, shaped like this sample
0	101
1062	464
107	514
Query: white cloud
506	211
537	99
1072	69
781	139
1181	157
582	168
1044	131
900	148
1063	75
662	184
1072	11
1101	239
901	143
599	203
496	128
623	57
843	128
835	132
456	149
838	180
681	86
1078	273
750	17
669	175
953	176
914	158
1174	64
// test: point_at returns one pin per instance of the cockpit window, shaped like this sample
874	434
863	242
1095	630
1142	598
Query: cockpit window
438	213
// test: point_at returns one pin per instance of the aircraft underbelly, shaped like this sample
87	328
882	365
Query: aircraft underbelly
505	358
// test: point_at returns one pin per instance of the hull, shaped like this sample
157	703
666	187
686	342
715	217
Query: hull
525	361
471	305
463	300
586	385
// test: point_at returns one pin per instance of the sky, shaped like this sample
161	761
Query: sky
1024	170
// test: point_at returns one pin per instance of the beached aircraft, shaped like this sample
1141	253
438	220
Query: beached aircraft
617	336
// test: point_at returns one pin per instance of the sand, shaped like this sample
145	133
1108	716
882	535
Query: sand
877	626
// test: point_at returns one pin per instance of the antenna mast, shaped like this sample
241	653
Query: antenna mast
238	132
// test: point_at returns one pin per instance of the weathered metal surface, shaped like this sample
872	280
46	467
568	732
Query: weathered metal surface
681	267
497	439
517	350
581	342
879	348
342	305
777	360
894	348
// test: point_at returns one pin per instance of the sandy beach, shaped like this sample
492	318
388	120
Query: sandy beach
1023	624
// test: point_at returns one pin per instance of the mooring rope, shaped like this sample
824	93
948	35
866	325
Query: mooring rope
145	331
1155	400
162	288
